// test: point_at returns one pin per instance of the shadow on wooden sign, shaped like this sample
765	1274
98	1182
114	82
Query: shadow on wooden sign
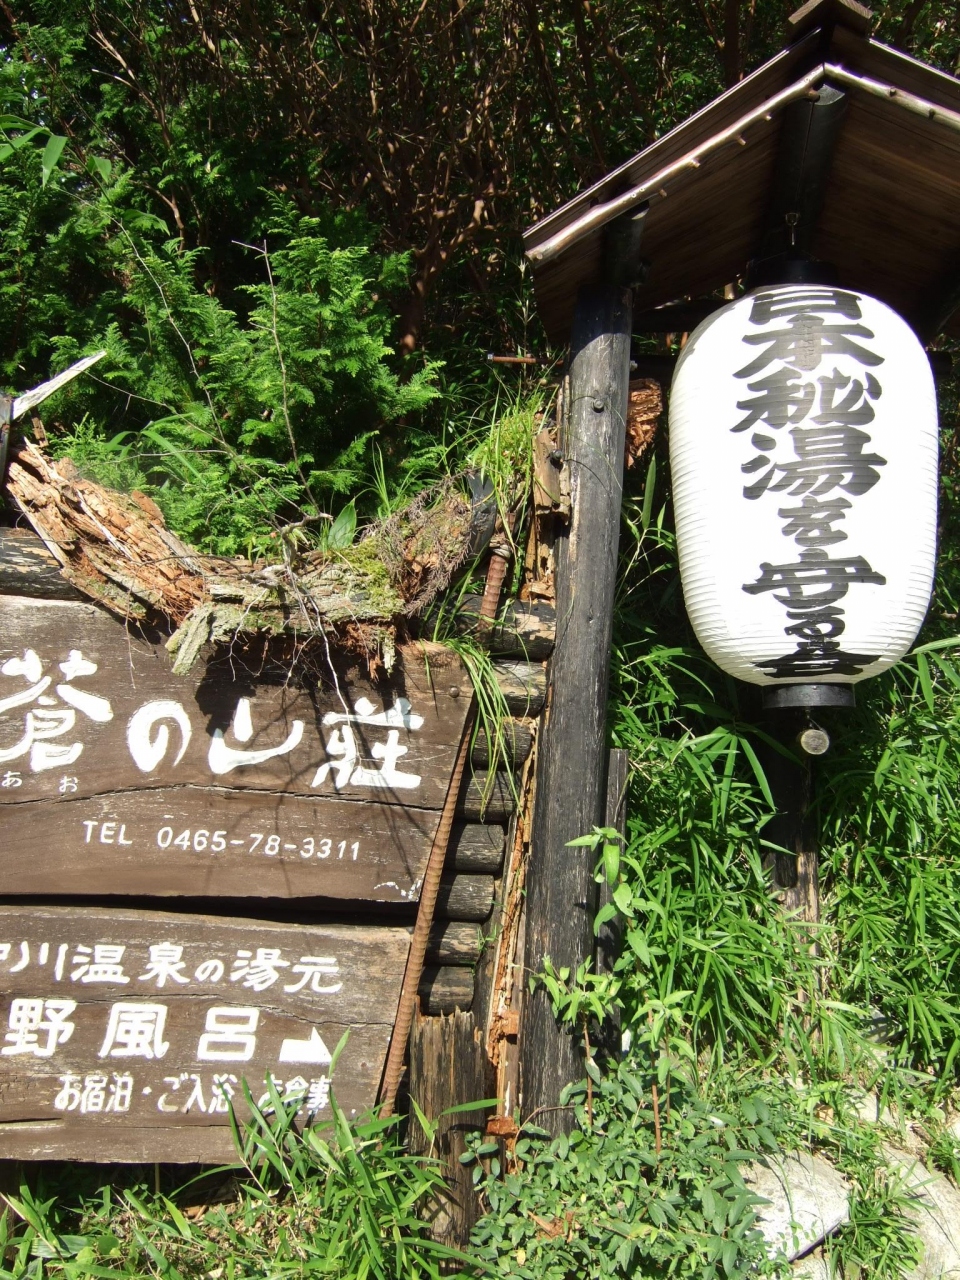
127	1033
118	777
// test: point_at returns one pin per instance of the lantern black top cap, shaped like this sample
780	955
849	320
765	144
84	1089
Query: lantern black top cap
790	268
839	146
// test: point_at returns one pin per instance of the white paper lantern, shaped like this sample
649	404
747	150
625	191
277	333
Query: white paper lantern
803	444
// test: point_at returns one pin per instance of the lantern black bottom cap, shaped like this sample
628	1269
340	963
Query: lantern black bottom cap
776	696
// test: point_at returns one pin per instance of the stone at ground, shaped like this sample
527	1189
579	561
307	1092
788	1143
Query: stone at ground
867	1107
808	1200
813	1267
936	1213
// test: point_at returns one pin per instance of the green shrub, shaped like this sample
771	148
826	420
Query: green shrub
340	1200
649	1183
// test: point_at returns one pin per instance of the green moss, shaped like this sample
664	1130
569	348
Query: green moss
359	573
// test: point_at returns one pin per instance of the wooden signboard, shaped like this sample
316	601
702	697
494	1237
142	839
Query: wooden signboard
118	777
125	1034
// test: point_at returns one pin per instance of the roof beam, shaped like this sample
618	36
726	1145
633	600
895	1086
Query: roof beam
654	186
830	13
808	138
899	97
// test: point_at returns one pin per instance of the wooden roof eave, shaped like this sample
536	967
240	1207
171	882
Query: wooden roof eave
652	184
564	249
773	76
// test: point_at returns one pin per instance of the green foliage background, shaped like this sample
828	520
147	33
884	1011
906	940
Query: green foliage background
295	230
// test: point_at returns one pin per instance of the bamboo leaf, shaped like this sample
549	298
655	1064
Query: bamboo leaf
51	156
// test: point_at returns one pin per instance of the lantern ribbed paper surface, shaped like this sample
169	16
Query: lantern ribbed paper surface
803	445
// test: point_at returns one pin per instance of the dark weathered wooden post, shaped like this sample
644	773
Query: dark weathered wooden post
572	763
794	830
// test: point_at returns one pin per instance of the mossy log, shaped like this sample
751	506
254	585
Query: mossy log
116	549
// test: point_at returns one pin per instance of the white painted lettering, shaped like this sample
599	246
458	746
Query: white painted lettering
313	970
229	1035
104	965
147	748
38	1027
135	1030
223	758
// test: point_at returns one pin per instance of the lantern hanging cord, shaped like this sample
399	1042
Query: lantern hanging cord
653	187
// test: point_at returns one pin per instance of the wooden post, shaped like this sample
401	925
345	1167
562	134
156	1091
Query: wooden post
795	872
572	762
449	1067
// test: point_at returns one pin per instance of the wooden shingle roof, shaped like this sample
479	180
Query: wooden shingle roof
890	216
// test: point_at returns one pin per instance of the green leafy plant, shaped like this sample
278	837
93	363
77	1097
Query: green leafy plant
640	1187
339	1199
879	1239
243	422
875	983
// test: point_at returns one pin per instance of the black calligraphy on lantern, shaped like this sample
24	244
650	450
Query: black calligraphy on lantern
813	455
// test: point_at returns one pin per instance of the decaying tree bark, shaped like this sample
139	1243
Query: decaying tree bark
117	549
644	407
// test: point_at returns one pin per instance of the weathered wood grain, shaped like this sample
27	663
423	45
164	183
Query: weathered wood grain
209	843
444	990
476	847
27	568
465	897
449	1067
113	770
454	942
512	749
571	753
523	685
486	798
115	1023
526	629
116	549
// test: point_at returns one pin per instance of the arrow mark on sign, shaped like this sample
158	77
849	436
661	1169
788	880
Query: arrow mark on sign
312	1050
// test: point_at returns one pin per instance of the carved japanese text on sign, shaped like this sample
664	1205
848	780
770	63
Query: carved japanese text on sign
224	784
129	1032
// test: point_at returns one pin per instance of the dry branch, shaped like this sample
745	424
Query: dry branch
117	550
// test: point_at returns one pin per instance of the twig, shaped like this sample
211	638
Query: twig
542	1111
589	1053
283	368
